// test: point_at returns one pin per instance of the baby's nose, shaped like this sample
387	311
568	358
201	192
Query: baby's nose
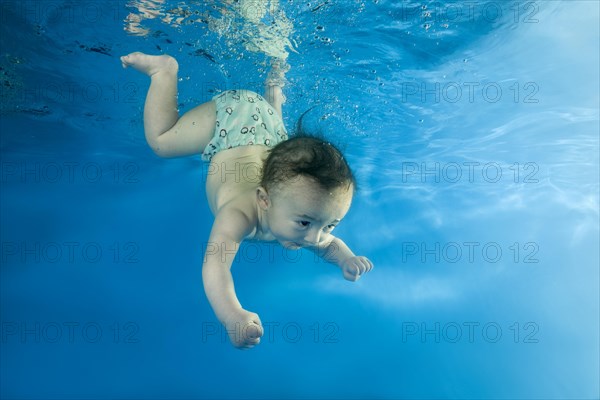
313	236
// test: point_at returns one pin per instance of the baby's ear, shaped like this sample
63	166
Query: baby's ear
262	197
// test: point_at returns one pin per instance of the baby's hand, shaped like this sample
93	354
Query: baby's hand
244	329
354	267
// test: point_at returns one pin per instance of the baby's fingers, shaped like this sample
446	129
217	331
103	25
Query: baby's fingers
251	334
351	272
356	267
363	265
368	264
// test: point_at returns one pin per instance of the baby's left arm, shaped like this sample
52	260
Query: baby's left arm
337	252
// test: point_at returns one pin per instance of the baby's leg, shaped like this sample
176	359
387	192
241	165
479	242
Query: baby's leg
275	82
166	133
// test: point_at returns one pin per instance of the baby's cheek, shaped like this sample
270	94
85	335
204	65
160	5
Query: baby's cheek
290	232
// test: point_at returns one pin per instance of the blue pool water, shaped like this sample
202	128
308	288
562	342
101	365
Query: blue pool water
472	128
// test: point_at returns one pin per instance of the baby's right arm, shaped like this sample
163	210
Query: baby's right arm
229	229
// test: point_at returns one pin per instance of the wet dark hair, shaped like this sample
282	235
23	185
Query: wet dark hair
308	155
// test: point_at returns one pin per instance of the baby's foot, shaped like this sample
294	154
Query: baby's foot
149	65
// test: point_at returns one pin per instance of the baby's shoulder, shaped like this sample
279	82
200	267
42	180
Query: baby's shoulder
236	218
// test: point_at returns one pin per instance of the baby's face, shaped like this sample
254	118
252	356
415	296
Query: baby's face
301	214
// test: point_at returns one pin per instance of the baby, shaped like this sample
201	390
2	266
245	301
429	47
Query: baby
301	190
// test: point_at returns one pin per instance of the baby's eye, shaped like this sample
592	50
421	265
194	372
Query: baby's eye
330	227
304	223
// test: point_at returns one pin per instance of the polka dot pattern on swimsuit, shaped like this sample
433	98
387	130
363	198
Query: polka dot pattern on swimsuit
244	118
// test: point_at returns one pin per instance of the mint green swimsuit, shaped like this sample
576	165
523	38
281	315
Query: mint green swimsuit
244	118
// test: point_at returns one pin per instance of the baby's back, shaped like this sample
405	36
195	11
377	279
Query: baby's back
234	175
